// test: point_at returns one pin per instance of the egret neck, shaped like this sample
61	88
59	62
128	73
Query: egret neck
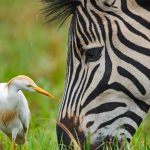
12	94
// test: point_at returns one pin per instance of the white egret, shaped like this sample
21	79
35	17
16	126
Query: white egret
14	110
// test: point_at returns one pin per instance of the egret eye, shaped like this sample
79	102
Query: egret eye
93	54
29	85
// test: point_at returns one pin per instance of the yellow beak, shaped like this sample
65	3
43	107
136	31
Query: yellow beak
42	91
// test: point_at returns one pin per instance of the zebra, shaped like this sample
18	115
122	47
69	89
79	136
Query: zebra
107	88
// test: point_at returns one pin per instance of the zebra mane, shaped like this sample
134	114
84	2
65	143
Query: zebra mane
59	9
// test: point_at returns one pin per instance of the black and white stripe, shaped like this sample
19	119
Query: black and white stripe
107	90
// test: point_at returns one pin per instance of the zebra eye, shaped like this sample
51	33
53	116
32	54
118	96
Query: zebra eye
93	54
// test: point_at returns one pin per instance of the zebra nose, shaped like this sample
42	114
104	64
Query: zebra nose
63	139
69	138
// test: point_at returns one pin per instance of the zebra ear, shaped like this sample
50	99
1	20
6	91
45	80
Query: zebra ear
59	9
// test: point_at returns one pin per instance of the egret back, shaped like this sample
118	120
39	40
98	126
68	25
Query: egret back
3	94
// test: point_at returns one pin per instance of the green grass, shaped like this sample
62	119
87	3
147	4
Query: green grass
28	46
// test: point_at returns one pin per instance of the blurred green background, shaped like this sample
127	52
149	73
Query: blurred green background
30	47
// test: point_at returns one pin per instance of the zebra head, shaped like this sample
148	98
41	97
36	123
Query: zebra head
108	74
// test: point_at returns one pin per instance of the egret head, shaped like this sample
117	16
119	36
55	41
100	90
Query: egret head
23	82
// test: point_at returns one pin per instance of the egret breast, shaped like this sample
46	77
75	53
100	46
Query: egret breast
7	116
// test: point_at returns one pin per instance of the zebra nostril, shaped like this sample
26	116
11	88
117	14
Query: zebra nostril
63	139
109	3
89	124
